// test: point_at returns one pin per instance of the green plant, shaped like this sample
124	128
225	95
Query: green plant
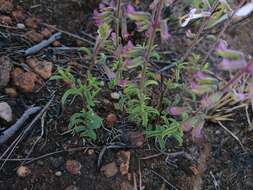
64	75
86	121
87	92
85	124
139	111
169	128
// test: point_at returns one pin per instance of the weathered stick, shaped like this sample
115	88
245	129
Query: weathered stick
43	44
14	128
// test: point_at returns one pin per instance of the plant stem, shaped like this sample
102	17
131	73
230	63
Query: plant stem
118	22
94	57
155	24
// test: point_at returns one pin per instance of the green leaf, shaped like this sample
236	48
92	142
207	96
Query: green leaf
104	31
86	50
150	82
69	92
139	16
93	120
56	77
230	54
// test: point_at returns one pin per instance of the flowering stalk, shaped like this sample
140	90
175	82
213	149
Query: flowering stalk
247	69
118	13
155	25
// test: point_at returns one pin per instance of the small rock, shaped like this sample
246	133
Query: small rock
56	43
110	169
20	26
5	111
34	36
5	6
18	14
111	119
5	69
58	173
10	92
91	152
6	20
115	95
43	68
217	132
73	167
194	169
46	32
135	138
71	187
126	186
23	171
32	22
123	160
25	81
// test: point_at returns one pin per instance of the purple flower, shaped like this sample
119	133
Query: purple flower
130	9
194	85
122	83
101	5
175	111
232	60
199	75
97	17
198	133
186	126
239	96
231	65
130	45
222	45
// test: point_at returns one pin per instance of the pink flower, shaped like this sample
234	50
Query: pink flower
198	133
239	96
231	65
232	60
175	111
122	83
130	9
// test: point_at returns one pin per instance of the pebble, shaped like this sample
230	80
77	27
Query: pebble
115	95
91	152
23	171
58	173
73	167
5	111
11	92
20	26
110	169
217	132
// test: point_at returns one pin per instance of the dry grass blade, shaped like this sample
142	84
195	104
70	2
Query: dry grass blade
232	134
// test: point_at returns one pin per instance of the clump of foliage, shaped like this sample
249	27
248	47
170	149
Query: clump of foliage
166	117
